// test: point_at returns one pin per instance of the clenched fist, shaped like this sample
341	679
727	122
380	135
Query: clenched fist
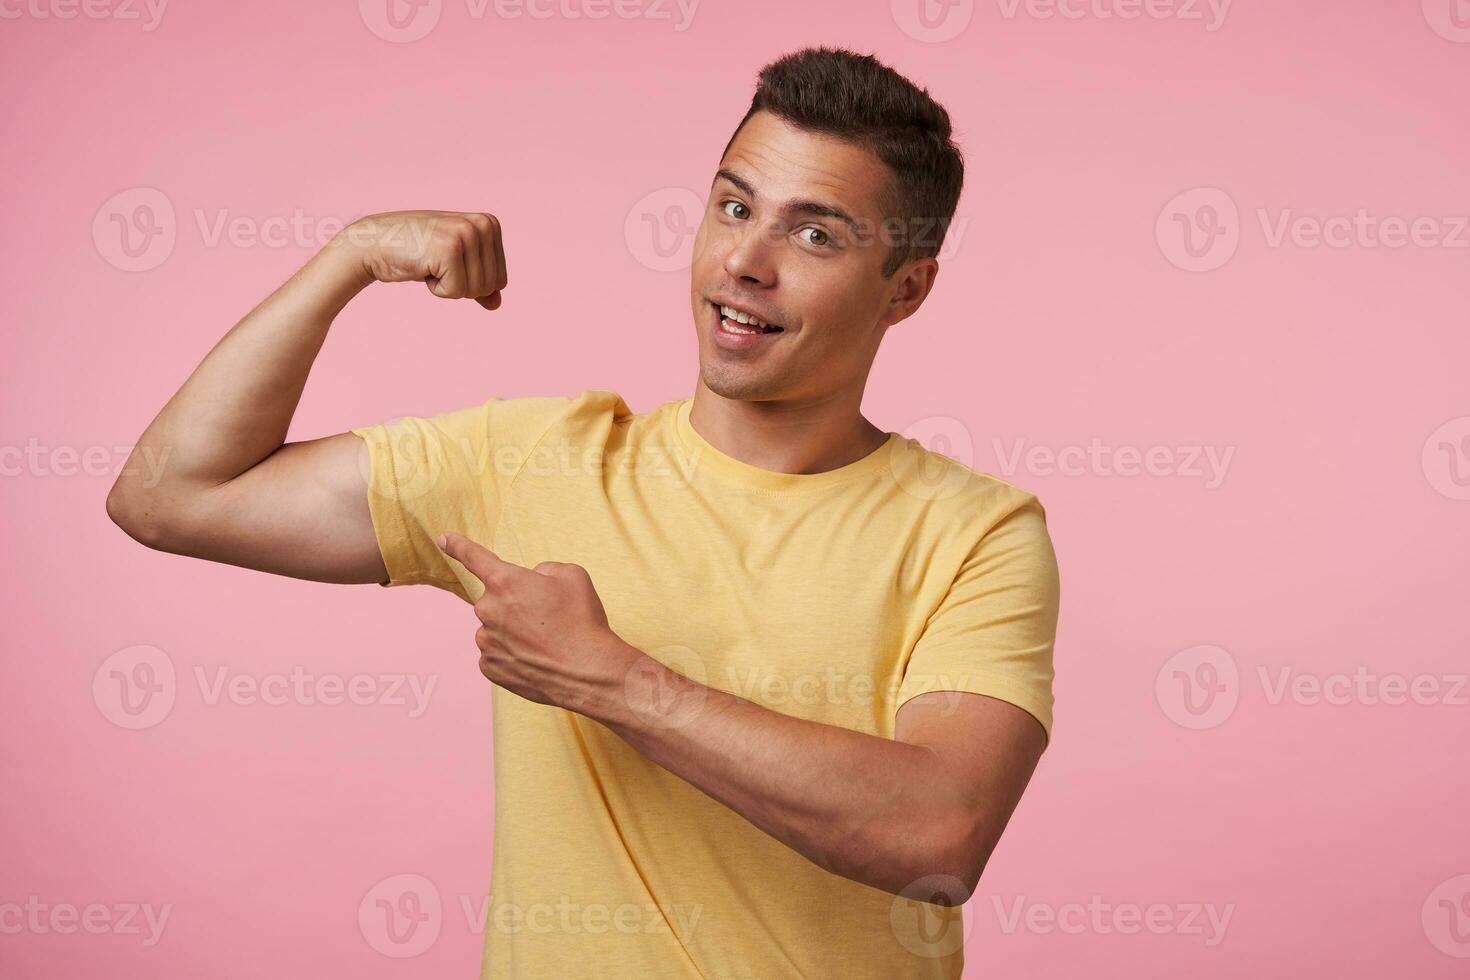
458	255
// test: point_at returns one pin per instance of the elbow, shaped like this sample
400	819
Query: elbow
939	861
945	872
124	510
956	878
139	516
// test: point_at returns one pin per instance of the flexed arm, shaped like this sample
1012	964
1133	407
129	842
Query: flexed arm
222	483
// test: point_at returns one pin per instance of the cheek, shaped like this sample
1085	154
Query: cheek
826	307
839	330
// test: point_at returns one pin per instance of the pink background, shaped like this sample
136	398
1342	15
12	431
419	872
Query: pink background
1334	835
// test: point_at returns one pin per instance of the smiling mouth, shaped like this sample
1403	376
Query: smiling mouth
729	321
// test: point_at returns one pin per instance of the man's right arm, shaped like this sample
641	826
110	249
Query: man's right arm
220	481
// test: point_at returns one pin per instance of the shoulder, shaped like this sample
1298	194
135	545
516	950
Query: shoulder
983	525
969	503
595	419
526	418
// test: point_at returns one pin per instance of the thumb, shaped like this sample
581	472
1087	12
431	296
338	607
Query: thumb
491	302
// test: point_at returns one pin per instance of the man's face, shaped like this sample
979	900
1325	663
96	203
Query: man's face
791	234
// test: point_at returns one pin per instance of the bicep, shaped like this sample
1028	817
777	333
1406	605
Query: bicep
302	512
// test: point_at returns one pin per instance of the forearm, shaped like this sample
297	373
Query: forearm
861	806
236	407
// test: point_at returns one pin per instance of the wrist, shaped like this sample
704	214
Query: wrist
642	696
348	254
604	697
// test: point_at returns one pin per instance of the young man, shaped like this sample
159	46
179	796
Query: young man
770	677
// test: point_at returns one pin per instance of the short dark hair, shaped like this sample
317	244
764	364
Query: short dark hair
858	98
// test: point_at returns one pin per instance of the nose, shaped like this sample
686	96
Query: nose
752	257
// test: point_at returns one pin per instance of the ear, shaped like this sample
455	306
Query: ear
910	286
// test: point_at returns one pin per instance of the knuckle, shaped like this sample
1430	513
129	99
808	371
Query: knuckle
486	222
449	241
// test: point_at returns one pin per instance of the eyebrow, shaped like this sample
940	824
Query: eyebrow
816	208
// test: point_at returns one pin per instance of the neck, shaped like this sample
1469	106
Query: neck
787	436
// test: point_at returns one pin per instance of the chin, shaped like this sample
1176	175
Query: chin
745	386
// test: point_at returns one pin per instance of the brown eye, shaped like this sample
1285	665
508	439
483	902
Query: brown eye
821	239
728	204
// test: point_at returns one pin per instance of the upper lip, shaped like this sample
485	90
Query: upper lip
743	308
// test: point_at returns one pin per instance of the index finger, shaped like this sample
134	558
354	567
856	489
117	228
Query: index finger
483	563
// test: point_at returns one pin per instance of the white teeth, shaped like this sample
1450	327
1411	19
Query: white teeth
733	314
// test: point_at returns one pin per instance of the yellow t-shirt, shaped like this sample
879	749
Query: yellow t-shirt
832	596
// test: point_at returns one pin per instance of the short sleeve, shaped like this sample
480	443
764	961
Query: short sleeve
994	631
448	472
